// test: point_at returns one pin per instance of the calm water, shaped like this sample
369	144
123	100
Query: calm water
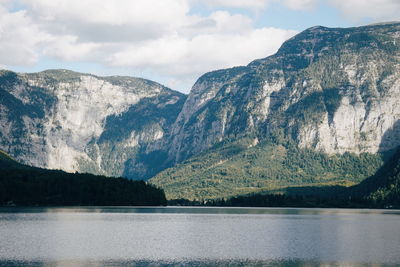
198	236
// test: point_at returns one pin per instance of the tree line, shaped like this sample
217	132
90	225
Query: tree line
39	187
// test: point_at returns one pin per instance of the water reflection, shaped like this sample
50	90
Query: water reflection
197	210
98	236
206	263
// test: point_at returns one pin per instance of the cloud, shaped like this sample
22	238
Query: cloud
180	56
378	10
93	20
225	40
300	4
117	13
248	4
20	39
145	36
68	48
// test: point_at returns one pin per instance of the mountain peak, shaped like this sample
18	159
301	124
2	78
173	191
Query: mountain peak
61	119
332	91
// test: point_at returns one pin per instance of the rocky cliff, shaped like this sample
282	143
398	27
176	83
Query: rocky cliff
60	119
331	89
321	110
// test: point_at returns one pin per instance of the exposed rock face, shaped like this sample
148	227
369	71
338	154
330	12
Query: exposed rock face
78	122
331	89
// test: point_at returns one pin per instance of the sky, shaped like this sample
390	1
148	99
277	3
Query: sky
172	42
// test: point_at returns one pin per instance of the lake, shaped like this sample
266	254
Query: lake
112	236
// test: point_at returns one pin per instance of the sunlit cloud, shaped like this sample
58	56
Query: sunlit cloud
378	10
167	38
248	4
160	36
300	4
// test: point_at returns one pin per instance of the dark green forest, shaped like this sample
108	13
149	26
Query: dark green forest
22	185
383	188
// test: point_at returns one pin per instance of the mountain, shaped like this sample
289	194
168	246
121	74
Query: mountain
324	110
59	119
329	96
334	90
23	185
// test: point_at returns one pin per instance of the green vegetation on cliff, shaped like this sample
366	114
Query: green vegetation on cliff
240	167
381	190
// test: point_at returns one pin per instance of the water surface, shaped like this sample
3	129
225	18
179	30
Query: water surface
198	236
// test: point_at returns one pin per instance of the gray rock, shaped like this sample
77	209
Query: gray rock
335	90
59	119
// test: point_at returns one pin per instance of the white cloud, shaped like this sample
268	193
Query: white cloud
300	4
151	36
378	10
111	12
202	53
93	20
68	48
248	4
256	5
230	41
20	39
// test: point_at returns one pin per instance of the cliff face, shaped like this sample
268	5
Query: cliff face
327	92
60	119
333	90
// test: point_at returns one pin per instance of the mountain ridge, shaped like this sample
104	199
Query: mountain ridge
266	79
329	94
331	90
54	118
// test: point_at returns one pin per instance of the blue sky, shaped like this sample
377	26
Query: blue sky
169	41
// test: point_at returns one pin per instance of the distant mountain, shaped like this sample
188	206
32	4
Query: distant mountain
23	185
322	111
327	90
330	89
59	119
